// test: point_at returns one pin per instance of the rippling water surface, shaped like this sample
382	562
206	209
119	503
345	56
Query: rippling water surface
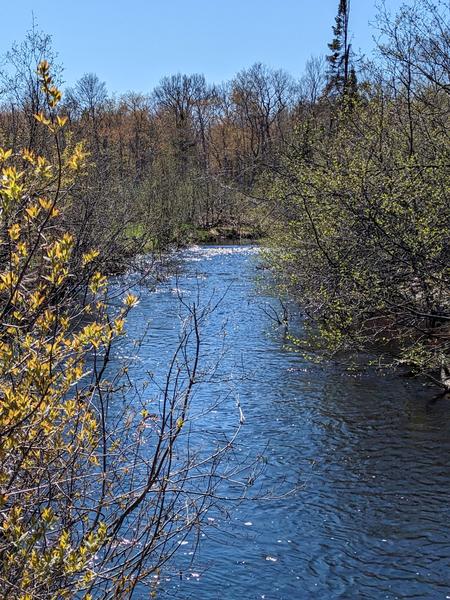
371	463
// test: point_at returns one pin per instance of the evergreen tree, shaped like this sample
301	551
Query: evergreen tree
351	89
340	73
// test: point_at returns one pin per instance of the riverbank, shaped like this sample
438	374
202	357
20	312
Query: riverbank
218	234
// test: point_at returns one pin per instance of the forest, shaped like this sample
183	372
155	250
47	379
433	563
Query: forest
341	178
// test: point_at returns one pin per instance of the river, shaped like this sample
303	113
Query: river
354	497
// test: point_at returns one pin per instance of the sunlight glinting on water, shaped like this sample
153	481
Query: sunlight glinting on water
369	465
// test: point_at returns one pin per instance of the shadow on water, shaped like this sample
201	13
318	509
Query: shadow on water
371	515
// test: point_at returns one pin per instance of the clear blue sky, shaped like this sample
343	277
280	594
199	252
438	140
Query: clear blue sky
131	44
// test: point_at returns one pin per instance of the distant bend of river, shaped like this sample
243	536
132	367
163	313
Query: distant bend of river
371	516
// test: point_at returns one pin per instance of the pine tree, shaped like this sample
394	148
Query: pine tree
351	89
340	72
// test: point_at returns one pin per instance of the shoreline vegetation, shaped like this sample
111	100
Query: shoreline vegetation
342	176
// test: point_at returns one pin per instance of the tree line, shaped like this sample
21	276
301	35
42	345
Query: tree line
165	167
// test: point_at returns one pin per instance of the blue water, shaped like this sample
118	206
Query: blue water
352	491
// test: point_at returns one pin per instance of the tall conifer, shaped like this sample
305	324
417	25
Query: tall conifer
341	74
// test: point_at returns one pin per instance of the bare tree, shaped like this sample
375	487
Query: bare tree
20	89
